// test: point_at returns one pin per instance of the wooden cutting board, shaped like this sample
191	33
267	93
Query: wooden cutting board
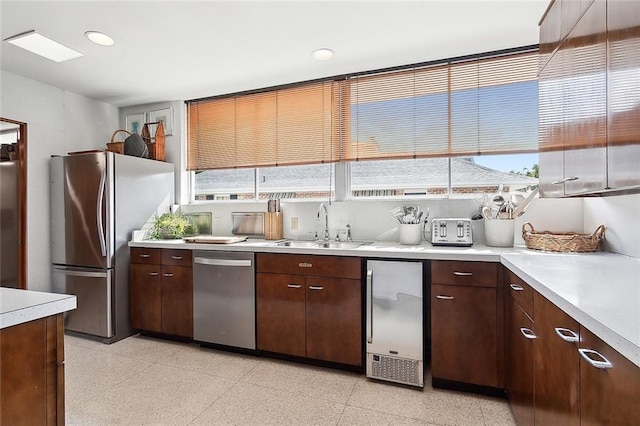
210	239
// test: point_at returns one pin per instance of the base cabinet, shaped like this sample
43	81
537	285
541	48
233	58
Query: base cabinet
161	291
464	323
32	373
307	315
609	384
558	372
556	367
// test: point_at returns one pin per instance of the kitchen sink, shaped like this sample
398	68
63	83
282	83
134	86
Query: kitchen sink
322	244
296	244
343	244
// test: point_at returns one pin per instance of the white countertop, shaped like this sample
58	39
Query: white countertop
377	249
20	306
599	290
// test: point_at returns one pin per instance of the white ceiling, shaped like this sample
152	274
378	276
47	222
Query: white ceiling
180	50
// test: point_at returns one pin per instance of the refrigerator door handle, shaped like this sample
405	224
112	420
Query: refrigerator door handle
100	204
369	306
75	273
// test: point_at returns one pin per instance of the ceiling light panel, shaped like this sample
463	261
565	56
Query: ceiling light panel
322	54
40	45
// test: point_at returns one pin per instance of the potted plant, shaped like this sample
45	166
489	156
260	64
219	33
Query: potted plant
171	226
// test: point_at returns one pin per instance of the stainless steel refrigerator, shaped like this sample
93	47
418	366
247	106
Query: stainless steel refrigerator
395	325
97	200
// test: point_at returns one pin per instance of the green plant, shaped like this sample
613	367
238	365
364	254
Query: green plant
171	226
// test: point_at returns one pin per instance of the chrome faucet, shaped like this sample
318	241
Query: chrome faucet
326	220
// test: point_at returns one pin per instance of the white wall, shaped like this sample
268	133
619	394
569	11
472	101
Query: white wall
621	217
57	122
175	149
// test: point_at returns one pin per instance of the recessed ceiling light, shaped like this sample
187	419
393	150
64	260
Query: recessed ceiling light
99	38
322	54
40	45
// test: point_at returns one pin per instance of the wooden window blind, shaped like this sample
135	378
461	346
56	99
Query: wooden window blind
474	107
479	105
290	126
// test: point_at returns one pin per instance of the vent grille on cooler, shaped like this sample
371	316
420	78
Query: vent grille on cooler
396	369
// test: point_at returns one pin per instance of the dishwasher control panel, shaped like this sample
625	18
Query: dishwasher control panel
451	232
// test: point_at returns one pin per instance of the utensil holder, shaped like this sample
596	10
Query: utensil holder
273	226
410	233
499	232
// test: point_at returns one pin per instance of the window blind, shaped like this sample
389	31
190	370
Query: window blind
478	105
289	126
473	107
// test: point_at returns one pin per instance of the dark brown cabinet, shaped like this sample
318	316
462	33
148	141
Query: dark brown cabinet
32	373
519	350
556	368
312	309
557	371
161	291
609	384
465	334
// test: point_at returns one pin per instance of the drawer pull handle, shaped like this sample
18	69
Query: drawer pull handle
305	265
316	287
294	285
462	274
176	257
145	255
153	274
168	275
441	297
567	335
602	363
516	287
528	333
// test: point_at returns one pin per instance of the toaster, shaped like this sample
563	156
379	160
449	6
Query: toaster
451	232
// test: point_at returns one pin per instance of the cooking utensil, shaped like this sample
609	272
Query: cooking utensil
520	209
487	213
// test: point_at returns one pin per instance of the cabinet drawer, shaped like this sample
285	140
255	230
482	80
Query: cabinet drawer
176	257
520	291
477	274
299	264
146	255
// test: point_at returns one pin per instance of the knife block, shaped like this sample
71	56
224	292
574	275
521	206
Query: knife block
273	225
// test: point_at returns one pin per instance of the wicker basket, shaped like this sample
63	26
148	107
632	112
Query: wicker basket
570	242
157	144
117	147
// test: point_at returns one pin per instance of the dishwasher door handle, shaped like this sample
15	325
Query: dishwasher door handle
222	262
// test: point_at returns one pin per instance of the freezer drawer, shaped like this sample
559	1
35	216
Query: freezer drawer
93	289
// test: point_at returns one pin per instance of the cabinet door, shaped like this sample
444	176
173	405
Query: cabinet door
334	320
607	395
145	297
464	334
520	340
280	305
556	368
585	103
623	55
177	301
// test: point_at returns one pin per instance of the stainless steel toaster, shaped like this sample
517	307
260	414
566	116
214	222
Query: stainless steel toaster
451	232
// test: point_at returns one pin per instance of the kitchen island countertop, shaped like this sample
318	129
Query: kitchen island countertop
20	306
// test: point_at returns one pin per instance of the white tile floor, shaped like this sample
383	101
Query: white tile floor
142	380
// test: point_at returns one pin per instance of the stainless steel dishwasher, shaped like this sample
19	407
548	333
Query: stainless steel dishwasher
224	298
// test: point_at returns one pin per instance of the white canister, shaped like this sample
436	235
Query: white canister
499	232
410	233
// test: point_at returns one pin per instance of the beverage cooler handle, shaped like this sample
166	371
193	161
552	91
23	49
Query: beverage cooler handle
103	242
369	306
